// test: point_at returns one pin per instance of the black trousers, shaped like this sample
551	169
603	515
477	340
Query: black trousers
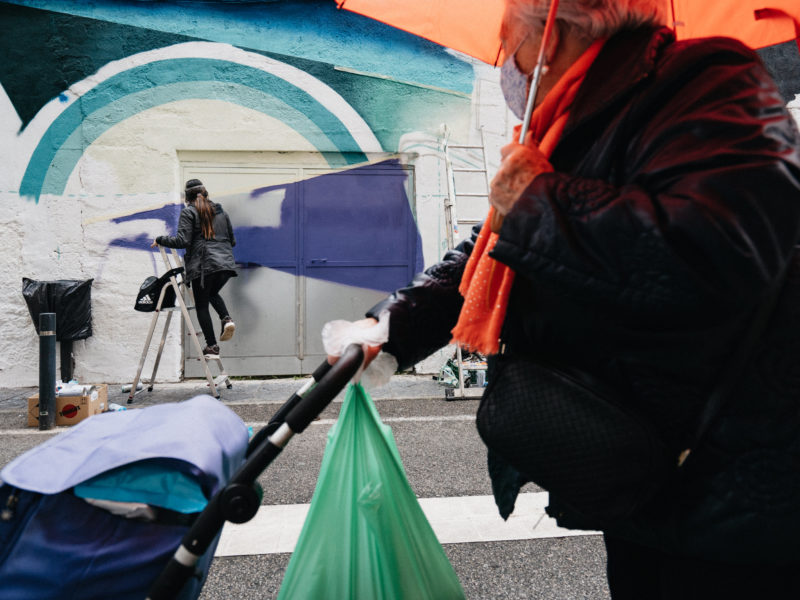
208	293
639	573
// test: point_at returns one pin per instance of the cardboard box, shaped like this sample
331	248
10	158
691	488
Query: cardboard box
71	409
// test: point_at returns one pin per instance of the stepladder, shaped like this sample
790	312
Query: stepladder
466	204
172	297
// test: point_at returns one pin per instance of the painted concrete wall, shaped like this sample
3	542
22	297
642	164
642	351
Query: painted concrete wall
100	100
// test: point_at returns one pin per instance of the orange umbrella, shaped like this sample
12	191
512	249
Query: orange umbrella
757	23
470	26
473	26
448	22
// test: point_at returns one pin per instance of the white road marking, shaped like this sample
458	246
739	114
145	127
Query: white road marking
462	519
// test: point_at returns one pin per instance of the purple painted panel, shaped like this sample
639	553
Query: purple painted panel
357	229
360	215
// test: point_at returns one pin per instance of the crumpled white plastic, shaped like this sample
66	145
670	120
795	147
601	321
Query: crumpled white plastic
338	335
129	510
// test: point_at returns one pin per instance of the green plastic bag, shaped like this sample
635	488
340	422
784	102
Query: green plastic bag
365	536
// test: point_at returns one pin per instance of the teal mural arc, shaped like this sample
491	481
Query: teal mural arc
146	86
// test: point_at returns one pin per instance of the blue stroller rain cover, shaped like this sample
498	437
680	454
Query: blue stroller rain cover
170	457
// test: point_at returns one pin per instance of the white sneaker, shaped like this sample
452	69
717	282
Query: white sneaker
228	329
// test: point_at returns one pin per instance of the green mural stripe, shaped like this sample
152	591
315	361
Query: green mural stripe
102	107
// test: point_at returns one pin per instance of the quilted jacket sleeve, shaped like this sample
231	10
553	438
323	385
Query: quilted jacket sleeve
424	312
695	213
183	237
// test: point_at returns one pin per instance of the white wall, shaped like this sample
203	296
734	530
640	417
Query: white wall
135	166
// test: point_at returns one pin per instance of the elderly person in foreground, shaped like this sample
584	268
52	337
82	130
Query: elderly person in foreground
636	287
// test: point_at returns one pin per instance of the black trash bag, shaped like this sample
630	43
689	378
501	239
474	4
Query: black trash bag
70	299
147	298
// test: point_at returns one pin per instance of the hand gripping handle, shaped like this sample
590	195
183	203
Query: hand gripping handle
325	391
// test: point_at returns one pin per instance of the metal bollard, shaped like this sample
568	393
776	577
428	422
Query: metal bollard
47	370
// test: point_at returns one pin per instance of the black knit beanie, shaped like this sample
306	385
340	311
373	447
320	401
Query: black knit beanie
193	183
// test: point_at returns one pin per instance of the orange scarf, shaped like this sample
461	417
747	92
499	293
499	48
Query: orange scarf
486	283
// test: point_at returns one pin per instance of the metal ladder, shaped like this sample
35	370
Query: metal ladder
179	286
453	223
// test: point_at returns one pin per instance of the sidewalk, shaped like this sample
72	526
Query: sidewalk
252	399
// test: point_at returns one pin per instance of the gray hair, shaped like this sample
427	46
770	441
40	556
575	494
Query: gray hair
591	18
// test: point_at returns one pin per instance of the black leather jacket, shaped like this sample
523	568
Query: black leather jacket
203	256
674	204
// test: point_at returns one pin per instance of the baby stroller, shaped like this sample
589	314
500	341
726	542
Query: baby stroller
59	537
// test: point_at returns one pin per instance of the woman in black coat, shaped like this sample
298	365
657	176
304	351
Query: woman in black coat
205	231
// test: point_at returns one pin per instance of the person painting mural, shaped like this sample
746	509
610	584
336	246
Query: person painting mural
205	231
641	235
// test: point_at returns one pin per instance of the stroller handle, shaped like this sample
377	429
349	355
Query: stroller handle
208	524
326	389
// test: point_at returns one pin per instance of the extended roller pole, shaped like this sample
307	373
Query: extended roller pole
66	360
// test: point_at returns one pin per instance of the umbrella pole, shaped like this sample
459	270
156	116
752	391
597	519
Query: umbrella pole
537	72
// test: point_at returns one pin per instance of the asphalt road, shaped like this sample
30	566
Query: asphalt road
443	457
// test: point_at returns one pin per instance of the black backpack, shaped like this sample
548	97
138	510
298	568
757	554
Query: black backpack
150	289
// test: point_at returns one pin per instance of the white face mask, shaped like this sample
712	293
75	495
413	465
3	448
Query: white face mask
514	84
